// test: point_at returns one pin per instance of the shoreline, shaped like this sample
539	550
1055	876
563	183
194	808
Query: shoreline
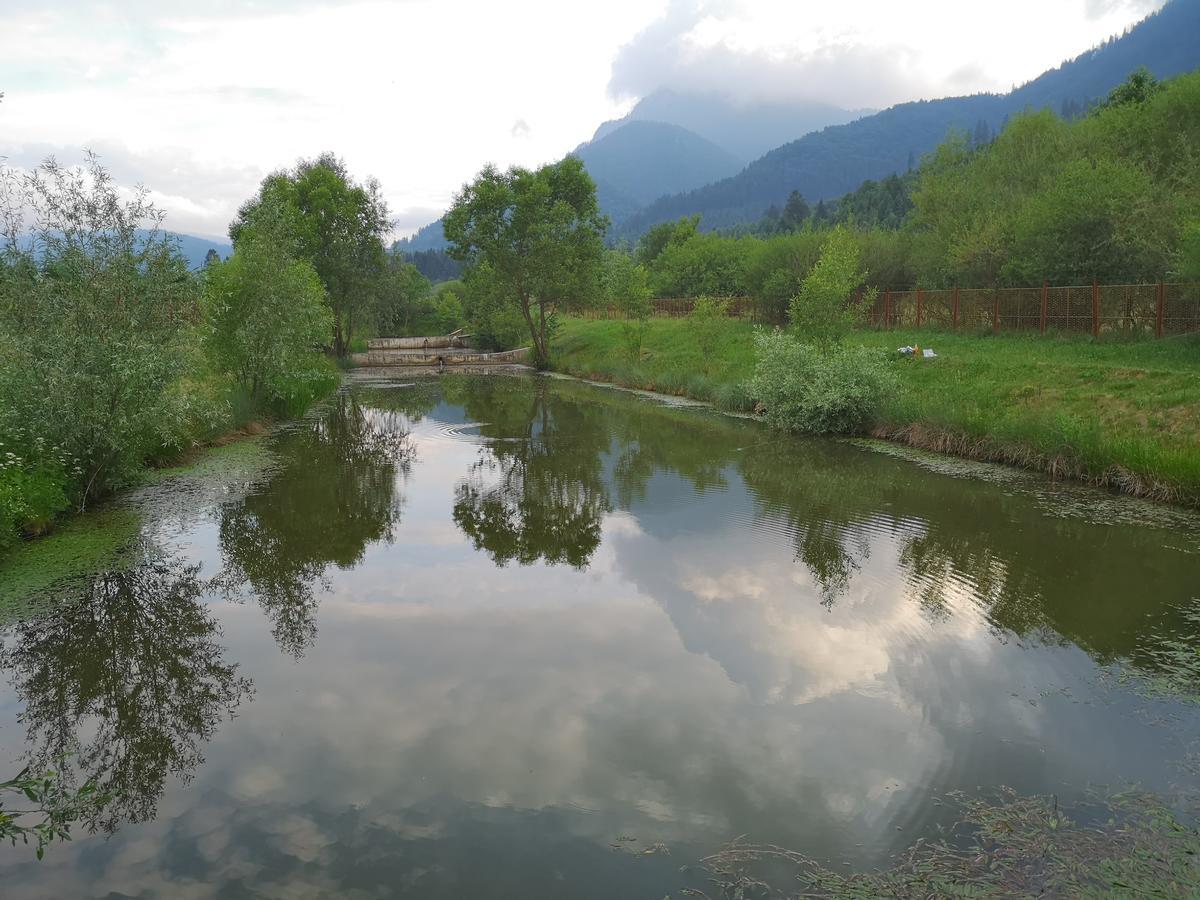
670	369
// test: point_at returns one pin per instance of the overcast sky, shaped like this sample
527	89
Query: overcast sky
199	100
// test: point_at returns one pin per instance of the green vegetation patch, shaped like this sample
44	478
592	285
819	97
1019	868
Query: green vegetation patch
1121	413
35	573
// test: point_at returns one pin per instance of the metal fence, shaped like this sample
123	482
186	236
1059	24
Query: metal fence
1146	309
1132	309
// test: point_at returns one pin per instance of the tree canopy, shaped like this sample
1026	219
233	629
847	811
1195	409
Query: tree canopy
333	222
540	234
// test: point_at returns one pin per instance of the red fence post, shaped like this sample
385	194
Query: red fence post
1095	307
996	311
887	309
1045	302
1158	312
954	309
920	306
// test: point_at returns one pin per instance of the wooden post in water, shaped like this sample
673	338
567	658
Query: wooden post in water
1045	302
954	309
1158	312
1095	307
920	305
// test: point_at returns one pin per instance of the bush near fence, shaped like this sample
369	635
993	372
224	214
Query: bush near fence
1098	309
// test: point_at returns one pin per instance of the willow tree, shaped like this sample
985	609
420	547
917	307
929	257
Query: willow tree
540	233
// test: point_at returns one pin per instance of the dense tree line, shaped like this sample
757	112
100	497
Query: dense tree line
436	265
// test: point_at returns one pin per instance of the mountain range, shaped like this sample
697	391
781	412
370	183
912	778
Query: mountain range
195	249
679	154
747	130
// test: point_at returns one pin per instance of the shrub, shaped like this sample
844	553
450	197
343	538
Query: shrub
633	338
33	481
707	322
801	388
1189	261
96	320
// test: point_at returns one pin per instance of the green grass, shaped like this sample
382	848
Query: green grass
1120	413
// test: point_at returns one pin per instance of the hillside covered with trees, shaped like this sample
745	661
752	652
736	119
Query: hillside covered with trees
1113	195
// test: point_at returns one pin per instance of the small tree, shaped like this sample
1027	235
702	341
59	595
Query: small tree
821	313
541	234
707	323
266	316
625	286
401	296
448	310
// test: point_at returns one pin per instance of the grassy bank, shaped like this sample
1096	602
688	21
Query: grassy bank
1121	414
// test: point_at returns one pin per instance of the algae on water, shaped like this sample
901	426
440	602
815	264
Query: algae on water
37	574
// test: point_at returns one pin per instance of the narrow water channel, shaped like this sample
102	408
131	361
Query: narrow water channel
522	637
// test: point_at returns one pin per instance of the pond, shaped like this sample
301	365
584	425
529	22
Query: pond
526	637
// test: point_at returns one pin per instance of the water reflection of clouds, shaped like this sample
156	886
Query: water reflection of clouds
688	686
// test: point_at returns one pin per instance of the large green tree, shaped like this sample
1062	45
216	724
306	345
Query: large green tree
336	224
265	314
540	233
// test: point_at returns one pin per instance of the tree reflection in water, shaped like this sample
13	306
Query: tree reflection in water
125	683
537	492
335	494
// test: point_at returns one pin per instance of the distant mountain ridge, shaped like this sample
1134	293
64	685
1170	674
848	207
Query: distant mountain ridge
745	130
195	249
836	160
644	160
427	237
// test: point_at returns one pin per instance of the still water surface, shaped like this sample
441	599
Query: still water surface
519	637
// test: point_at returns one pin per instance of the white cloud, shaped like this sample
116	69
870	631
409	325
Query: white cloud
200	102
860	53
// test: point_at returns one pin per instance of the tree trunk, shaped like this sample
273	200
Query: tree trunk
538	338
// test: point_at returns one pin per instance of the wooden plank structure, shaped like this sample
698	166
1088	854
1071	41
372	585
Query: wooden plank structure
435	352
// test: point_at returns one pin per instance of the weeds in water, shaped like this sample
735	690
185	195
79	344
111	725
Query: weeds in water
1014	847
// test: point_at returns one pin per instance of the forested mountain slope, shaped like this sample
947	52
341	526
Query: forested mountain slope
831	162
